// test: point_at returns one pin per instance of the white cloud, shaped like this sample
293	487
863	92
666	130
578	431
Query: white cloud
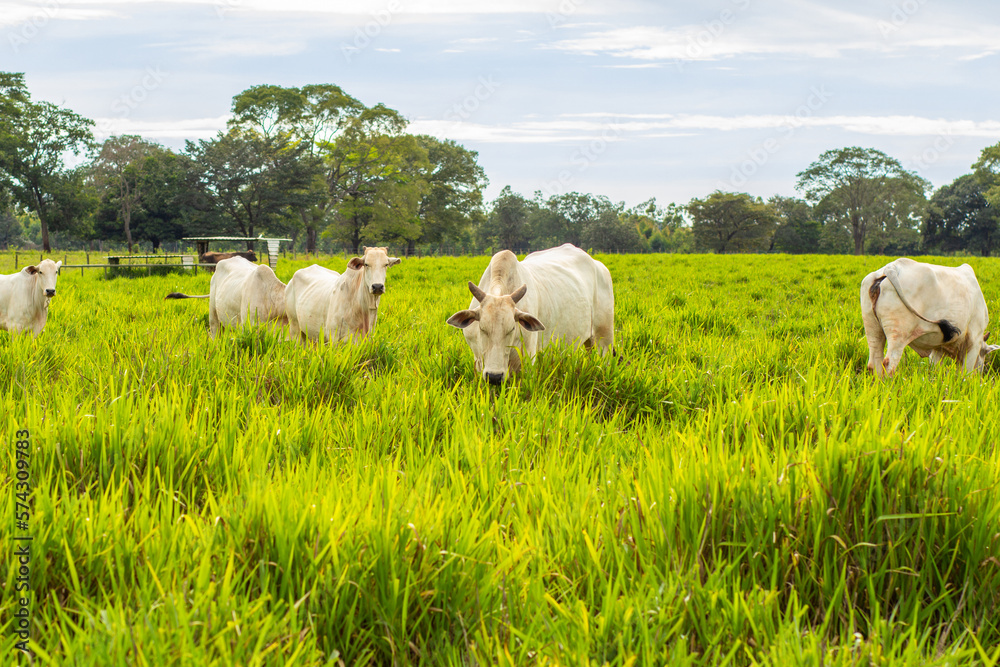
893	125
591	126
195	128
802	30
355	7
37	14
245	48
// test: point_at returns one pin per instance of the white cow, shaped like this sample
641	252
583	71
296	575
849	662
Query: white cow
334	306
939	311
241	292
24	297
565	295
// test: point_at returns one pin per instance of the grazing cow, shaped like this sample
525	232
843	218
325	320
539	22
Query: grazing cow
216	257
241	292
334	306
565	295
939	311
24	297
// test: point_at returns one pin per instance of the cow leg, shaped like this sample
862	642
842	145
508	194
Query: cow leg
874	333
876	343
971	357
893	356
213	320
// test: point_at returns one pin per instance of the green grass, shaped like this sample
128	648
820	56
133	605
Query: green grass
732	487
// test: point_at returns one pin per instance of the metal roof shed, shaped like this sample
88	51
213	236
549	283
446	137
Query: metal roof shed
273	244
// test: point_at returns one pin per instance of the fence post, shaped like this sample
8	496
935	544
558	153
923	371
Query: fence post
15	260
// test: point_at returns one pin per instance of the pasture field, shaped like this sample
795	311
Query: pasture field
731	488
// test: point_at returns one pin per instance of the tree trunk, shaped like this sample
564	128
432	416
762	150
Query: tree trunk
410	247
43	222
128	231
311	239
45	234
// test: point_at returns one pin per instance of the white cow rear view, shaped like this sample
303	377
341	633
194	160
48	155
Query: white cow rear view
24	297
939	311
557	294
242	292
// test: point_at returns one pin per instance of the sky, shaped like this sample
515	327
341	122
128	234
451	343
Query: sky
630	99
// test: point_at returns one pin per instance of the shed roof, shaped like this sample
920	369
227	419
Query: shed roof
233	238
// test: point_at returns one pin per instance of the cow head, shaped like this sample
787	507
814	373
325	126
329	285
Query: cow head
45	276
374	262
985	349
498	317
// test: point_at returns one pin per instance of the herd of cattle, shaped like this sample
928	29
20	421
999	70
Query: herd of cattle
519	307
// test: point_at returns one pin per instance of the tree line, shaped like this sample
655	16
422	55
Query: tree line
859	200
315	164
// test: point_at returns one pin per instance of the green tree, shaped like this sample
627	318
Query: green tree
987	170
609	231
506	226
35	137
314	115
857	181
732	222
163	216
897	216
452	201
244	182
960	218
11	232
374	175
798	230
120	173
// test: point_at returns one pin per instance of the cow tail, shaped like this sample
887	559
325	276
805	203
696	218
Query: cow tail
948	330
178	295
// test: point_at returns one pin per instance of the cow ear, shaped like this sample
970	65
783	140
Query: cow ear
58	264
356	263
519	293
529	322
393	261
992	348
464	318
30	270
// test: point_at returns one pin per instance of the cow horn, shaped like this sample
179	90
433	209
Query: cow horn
986	336
476	292
519	293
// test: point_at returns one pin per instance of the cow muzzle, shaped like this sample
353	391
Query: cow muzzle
378	289
50	292
494	378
